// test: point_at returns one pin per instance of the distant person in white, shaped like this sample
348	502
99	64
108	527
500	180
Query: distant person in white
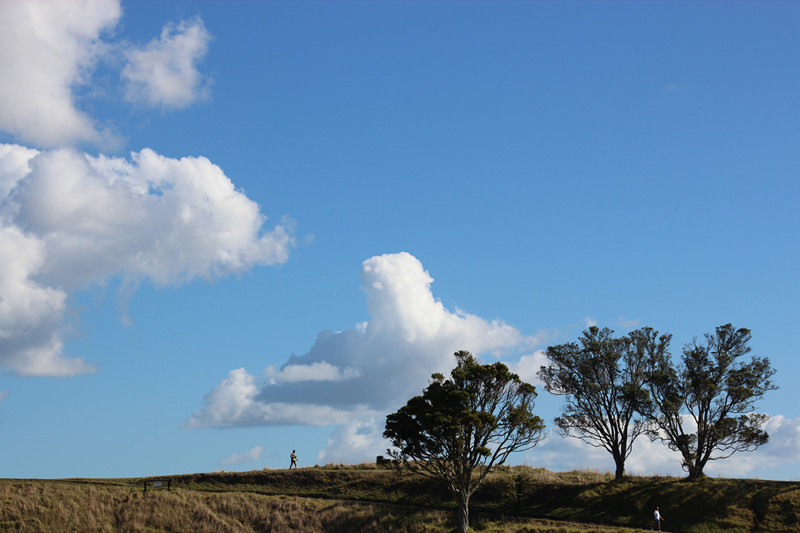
657	518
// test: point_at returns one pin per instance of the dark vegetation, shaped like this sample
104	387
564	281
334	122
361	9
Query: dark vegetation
462	427
702	406
603	381
368	498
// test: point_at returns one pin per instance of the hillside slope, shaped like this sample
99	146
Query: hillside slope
708	505
327	500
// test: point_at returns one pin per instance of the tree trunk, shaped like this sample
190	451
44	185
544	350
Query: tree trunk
619	474
619	461
462	501
695	472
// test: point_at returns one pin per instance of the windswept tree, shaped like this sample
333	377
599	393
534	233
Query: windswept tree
602	378
463	427
704	407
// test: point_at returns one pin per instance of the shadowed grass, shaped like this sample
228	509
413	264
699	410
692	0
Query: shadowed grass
61	506
367	498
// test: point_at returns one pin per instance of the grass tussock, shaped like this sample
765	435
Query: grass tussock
63	507
335	498
68	507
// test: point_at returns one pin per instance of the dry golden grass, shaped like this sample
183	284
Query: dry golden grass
68	506
366	498
64	506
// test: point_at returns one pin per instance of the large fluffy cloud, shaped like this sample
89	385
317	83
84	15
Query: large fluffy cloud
49	52
375	366
68	219
46	50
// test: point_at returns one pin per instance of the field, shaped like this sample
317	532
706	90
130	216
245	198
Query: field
366	498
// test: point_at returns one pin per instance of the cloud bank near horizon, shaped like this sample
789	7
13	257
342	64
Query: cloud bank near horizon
249	456
655	458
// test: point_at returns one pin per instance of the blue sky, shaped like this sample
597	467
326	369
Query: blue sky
233	229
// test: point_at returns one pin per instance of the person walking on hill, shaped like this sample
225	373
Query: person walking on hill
657	519
294	461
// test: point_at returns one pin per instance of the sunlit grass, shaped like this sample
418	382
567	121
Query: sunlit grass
343	498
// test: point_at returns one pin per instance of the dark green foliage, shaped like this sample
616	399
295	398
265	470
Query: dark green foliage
704	407
602	378
460	428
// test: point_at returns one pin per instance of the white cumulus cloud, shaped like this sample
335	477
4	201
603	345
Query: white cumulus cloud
234	403
529	365
47	49
164	72
354	377
68	219
49	54
319	371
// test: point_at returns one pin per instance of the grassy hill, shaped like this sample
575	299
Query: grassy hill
366	498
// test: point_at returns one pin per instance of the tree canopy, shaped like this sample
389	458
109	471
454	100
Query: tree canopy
703	408
602	378
461	428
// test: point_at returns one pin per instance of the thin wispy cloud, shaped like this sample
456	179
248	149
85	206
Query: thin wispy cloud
672	88
628	323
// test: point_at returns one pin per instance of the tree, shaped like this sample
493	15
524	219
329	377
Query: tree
603	380
704	408
463	427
